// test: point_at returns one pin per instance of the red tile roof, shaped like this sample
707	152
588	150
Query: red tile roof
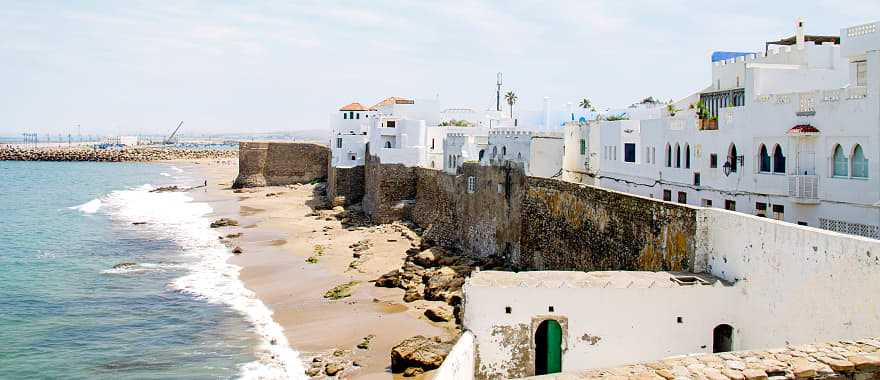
392	100
354	107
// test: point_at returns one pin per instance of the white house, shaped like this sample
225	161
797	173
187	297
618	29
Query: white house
788	133
540	152
349	135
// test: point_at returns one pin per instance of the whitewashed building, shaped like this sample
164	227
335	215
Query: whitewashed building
788	133
348	139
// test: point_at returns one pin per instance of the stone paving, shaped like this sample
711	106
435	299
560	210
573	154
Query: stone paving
858	360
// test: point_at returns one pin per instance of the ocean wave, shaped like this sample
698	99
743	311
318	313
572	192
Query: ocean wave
142	267
175	168
175	216
164	174
89	207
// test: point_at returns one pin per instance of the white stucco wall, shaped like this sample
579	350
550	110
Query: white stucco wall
459	364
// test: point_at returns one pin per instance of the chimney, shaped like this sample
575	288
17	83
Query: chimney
799	33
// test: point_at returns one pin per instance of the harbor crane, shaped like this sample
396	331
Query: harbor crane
172	138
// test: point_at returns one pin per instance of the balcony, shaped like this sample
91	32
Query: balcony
804	188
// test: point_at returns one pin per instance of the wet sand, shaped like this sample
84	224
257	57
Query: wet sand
279	233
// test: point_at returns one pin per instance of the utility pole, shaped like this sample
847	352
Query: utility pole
498	94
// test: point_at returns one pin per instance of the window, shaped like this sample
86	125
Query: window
653	155
432	164
471	185
687	156
503	151
391	124
481	154
859	163
339	142
494	151
432	143
778	160
345	115
614	150
583	147
629	152
677	156
861	73
668	156
732	158
354	157
388	144
351	114
761	209
765	159
841	166
358	115
500	188
696	179
778	212
802	223
713	160
667	195
706	203
729	205
682	197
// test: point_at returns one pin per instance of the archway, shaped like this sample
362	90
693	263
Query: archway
548	348
722	338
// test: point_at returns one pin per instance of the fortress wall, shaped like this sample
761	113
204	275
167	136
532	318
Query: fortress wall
262	163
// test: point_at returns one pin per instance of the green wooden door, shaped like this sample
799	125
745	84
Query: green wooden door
548	348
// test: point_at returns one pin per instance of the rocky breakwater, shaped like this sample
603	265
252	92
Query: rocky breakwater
12	153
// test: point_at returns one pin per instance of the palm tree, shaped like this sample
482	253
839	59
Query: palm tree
586	104
510	97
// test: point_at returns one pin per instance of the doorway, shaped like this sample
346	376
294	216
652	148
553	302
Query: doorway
722	338
548	348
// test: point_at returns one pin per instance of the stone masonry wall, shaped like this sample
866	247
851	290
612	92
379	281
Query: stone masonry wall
389	190
859	359
482	221
345	186
567	226
280	163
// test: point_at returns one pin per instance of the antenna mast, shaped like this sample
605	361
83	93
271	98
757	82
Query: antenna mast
498	94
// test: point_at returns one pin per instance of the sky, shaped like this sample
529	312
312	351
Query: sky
125	67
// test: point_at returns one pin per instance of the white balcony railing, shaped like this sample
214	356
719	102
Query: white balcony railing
805	187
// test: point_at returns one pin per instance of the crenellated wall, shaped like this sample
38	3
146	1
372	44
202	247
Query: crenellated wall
276	163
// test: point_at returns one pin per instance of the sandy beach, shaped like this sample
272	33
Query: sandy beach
291	255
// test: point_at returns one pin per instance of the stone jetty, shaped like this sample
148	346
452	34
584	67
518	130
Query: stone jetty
156	153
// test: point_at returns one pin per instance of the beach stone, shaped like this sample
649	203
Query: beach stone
389	280
331	369
414	293
442	284
803	368
837	364
412	371
665	373
439	313
313	371
224	222
124	265
733	374
429	257
419	352
865	362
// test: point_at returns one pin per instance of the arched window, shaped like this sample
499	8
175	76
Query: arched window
494	151
765	159
841	165
388	144
778	160
503	151
519	156
687	156
677	156
859	163
482	153
732	158
668	156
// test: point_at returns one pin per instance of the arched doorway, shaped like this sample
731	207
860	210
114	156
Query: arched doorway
722	338
548	348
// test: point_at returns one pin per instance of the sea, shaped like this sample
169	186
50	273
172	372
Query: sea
175	309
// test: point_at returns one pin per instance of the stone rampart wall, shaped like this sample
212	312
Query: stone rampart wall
280	163
345	186
389	190
567	226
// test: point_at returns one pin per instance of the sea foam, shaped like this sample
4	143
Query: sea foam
89	207
174	215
